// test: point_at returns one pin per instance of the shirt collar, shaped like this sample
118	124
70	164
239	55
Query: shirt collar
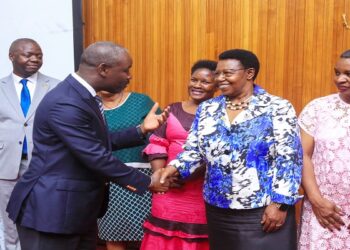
258	90
32	79
84	83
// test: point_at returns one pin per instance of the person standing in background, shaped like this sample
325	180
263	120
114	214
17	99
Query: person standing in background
325	136
121	226
177	220
20	94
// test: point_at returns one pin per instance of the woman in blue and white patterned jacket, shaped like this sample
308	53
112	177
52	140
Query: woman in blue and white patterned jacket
249	141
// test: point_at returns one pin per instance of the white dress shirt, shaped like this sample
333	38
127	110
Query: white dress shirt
31	84
85	84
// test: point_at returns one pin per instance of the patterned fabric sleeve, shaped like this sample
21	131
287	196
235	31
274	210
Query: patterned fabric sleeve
190	159
308	117
288	155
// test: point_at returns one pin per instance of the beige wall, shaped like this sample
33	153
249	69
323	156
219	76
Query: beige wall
297	41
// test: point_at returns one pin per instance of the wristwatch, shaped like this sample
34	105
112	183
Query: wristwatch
281	206
139	131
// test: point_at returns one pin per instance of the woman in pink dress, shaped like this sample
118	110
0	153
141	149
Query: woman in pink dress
325	124
177	219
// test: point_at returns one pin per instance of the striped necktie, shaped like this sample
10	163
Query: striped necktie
25	103
100	106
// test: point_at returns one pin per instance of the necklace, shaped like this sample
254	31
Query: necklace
114	104
237	106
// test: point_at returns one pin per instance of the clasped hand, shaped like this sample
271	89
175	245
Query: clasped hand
163	179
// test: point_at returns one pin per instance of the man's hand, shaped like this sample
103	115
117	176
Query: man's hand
156	186
328	214
152	120
273	218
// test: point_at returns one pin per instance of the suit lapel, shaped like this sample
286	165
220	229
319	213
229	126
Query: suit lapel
86	96
90	100
41	88
10	94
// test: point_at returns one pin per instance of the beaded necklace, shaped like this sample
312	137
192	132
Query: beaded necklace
237	106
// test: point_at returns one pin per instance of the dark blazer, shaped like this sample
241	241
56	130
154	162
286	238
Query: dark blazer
63	190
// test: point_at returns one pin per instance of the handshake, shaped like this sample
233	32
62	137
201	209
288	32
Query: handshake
163	179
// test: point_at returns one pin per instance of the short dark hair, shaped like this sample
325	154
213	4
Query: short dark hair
15	44
102	52
204	64
247	58
345	54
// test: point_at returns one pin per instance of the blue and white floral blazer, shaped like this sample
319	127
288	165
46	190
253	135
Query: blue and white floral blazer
250	162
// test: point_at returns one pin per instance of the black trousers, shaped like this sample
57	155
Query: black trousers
231	229
31	239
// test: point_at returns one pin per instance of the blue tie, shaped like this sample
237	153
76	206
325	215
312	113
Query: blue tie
25	103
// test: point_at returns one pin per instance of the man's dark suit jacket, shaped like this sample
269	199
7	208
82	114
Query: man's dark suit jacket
63	190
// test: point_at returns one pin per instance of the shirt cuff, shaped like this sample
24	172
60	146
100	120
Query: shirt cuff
289	200
139	131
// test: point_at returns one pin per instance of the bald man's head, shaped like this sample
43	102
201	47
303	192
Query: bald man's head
102	52
106	66
18	43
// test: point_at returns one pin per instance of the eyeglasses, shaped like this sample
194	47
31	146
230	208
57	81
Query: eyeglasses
226	72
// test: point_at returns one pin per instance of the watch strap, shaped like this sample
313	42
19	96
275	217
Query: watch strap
281	206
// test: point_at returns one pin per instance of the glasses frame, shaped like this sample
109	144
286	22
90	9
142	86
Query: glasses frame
227	74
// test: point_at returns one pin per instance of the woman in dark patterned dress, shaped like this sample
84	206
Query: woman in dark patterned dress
122	223
177	219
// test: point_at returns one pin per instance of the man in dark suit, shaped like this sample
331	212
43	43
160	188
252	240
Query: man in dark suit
57	201
20	94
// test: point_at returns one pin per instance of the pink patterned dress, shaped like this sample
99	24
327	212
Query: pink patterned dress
327	120
177	219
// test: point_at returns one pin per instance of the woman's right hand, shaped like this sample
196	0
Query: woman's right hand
328	214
